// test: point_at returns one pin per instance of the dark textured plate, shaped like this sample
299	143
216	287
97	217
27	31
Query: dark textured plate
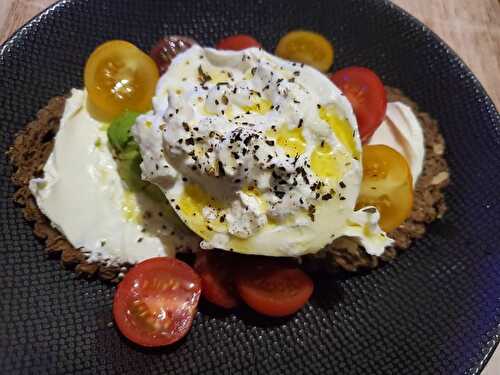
434	310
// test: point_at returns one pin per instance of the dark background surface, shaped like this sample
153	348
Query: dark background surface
434	310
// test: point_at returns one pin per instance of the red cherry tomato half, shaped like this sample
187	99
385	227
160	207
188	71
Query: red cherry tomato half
273	287
365	91
217	270
155	303
238	42
164	51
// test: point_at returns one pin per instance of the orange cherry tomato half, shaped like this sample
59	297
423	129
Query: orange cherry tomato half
273	287
364	89
217	270
306	47
387	185
119	76
237	42
155	303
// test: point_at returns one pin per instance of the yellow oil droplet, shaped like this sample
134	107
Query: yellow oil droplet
248	74
229	112
130	209
363	230
327	164
340	127
191	204
217	76
290	140
206	112
259	105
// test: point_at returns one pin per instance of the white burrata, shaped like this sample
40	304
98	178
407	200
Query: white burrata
257	154
402	131
84	197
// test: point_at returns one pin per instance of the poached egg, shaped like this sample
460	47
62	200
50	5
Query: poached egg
256	154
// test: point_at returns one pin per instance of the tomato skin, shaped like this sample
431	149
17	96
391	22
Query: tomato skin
274	287
217	270
165	50
155	303
366	93
387	184
306	47
119	76
237	42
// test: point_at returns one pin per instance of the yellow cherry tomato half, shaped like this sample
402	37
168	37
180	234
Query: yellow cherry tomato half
306	47
119	76
387	185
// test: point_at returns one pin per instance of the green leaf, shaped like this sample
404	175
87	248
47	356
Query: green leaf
155	193
129	168
119	131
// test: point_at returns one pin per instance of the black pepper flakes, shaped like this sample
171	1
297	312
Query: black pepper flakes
202	76
311	210
279	194
222	173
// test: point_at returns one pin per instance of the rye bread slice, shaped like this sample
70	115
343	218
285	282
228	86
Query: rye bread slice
33	145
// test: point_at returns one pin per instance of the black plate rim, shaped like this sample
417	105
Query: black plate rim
442	44
10	42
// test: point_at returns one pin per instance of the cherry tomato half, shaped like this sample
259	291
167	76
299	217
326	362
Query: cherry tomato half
387	184
119	76
237	42
306	47
217	270
273	287
365	91
155	303
164	51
